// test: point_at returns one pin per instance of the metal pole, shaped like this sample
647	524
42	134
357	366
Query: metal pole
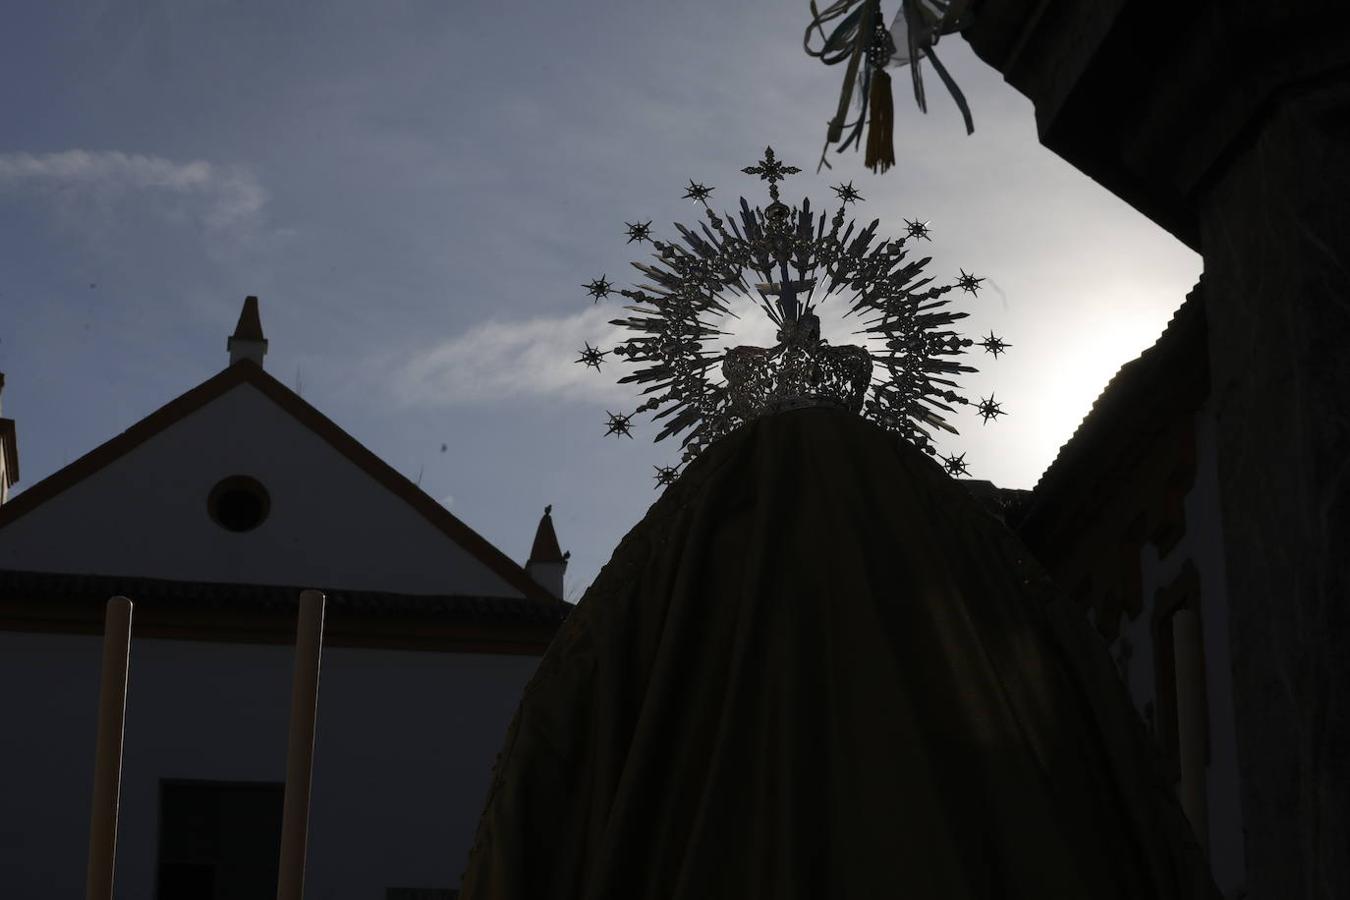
112	707
300	752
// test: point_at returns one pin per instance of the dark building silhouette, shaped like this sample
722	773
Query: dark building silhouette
1127	519
1225	124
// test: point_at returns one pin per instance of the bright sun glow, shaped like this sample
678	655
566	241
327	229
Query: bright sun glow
1083	370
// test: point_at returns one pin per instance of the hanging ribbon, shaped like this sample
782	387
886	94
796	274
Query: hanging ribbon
844	43
857	32
952	89
924	22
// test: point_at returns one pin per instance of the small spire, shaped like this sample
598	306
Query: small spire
547	564
546	549
247	342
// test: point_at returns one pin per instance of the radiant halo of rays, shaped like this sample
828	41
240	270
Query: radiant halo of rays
689	288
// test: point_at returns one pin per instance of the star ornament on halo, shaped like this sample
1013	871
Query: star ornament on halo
665	476
955	465
847	193
598	288
917	229
619	424
968	282
641	231
989	409
591	356
697	192
994	345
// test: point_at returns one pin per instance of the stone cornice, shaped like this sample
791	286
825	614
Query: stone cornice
1151	106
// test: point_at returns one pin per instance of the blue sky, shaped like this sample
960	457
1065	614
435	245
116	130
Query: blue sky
417	190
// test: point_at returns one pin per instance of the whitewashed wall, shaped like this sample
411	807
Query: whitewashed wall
406	741
331	525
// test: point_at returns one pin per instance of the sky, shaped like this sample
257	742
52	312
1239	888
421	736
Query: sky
416	192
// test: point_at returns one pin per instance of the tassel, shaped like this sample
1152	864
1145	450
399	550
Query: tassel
880	145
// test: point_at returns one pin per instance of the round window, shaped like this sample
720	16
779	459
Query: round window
239	503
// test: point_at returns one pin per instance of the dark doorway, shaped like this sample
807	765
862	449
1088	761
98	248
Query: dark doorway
218	840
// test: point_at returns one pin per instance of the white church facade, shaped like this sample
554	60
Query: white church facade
211	514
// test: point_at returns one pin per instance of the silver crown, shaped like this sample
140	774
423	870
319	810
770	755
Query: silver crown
687	293
802	370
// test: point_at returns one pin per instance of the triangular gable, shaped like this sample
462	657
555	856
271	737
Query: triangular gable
246	372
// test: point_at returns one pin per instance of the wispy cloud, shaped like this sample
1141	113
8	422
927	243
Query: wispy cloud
536	358
525	359
227	201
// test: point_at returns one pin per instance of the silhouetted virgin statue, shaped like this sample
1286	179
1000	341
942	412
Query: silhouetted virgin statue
817	668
